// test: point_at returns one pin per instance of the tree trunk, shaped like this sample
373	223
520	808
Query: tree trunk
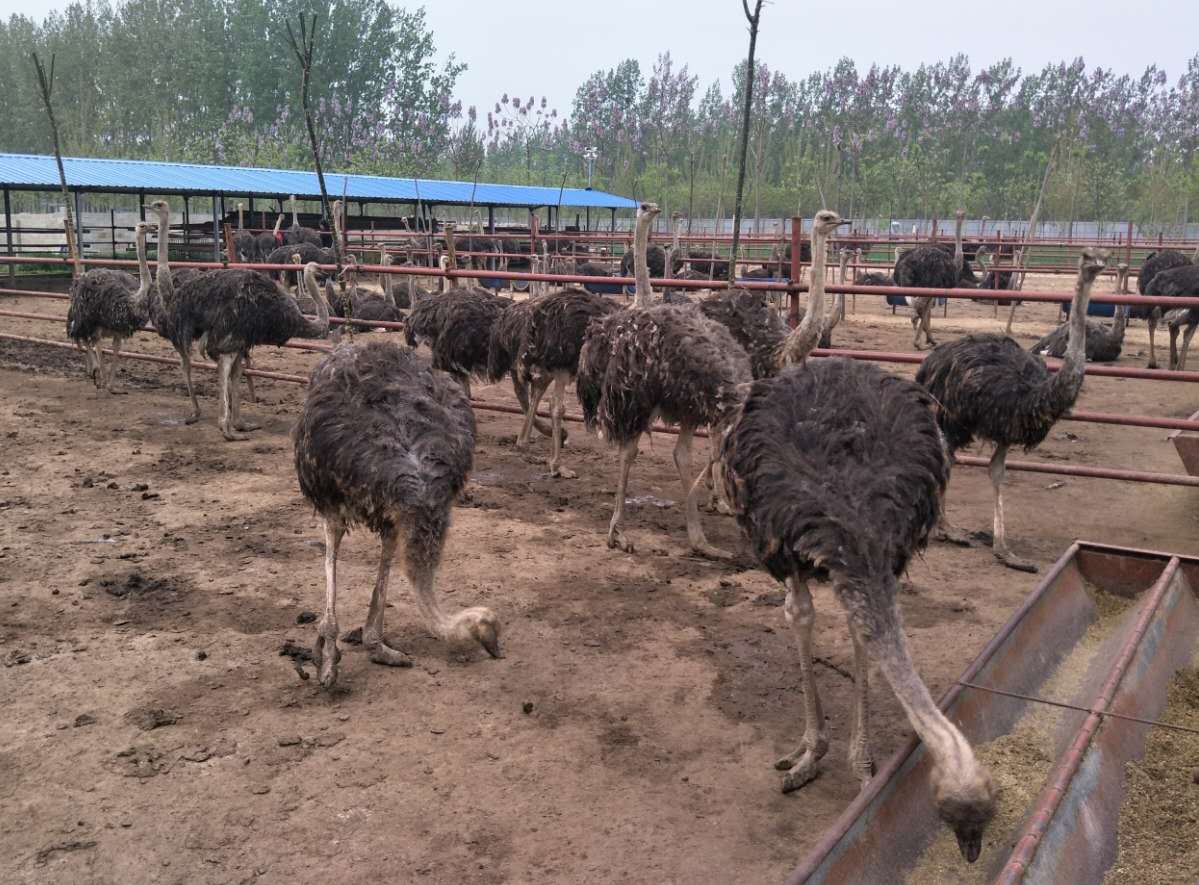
753	19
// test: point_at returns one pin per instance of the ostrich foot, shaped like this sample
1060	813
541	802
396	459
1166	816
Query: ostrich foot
247	425
802	772
618	540
116	391
192	419
1011	561
381	653
863	766
951	535
562	473
1151	365
230	433
707	551
326	654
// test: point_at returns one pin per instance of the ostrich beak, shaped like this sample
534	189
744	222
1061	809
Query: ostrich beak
971	846
491	642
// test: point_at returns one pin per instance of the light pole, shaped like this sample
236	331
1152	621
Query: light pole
590	155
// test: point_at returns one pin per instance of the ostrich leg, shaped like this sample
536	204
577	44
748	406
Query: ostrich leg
926	323
325	651
98	375
522	396
1173	329
225	371
185	360
999	544
252	396
1152	323
1186	345
559	410
800	765
617	538
682	462
235	395
372	631
116	355
861	761
538	387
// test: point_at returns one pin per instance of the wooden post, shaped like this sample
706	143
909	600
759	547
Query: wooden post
451	255
796	271
216	229
112	230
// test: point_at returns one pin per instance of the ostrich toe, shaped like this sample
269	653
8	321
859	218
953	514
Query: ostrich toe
326	655
618	540
382	653
231	434
801	773
247	425
1010	560
563	473
956	536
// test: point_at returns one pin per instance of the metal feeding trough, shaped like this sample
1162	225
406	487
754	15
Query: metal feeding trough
1187	446
1067	830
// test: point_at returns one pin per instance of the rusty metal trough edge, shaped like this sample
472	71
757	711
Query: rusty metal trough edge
839	837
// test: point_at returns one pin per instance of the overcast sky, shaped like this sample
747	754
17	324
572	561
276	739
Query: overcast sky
548	47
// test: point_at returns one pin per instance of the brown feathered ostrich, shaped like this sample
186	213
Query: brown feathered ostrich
245	244
268	241
989	387
836	471
1178	282
929	266
239	310
650	361
297	233
108	303
1104	342
386	443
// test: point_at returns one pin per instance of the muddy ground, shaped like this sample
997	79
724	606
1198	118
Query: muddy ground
150	572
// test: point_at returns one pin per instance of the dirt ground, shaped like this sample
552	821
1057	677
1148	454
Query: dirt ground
150	572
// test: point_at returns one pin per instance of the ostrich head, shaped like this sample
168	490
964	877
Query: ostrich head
965	802
162	209
1091	264
1121	277
478	625
796	346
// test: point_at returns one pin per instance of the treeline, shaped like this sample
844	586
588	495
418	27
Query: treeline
214	81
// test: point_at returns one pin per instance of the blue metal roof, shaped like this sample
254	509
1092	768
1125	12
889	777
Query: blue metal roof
40	172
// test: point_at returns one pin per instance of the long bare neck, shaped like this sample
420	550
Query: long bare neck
643	295
278	225
1121	321
953	756
806	335
166	282
320	328
1195	257
145	283
241	217
388	294
295	219
446	626
1065	385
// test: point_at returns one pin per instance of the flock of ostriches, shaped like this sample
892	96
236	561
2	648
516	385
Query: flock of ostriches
834	469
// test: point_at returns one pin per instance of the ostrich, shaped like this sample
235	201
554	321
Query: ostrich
549	354
507	340
1104	343
753	323
297	233
1178	282
358	303
240	309
666	361
987	386
245	244
269	241
384	442
929	266
1156	263
108	303
836	470
456	326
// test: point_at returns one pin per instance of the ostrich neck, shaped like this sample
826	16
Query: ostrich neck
295	219
145	282
166	283
452	627
241	218
959	257
1064	386
320	328
1121	321
805	336
949	748
643	294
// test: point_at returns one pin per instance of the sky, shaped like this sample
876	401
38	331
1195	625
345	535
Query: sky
548	47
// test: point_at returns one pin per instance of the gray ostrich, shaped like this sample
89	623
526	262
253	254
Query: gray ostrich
108	303
386	443
1104	342
297	233
245	244
836	471
240	309
268	241
363	304
508	335
456	326
667	361
1178	282
928	265
987	386
1157	263
552	339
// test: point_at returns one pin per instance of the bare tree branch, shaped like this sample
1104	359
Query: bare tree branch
45	82
754	19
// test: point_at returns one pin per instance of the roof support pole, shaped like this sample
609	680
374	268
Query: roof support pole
217	218
141	205
250	204
79	222
187	223
12	268
491	220
613	227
